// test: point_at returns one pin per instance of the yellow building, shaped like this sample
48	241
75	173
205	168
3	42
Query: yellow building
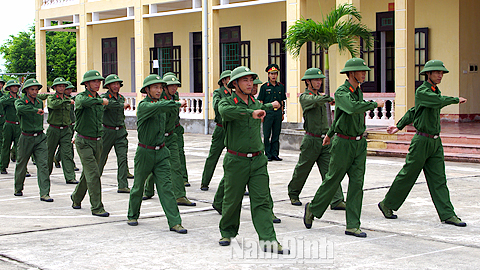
134	38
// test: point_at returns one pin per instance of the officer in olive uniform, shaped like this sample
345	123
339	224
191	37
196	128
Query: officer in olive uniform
89	108
272	124
59	133
152	157
245	163
316	128
218	135
114	131
32	140
349	149
11	128
171	142
426	150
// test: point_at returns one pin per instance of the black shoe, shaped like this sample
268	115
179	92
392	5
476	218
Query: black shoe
75	169
276	158
246	193
4	171
217	209
296	202
270	159
187	184
73	181
102	213
18	193
355	232
130	176
204	188
27	174
275	219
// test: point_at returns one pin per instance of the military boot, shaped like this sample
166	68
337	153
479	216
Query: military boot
275	248
46	198
178	229
455	221
308	216
123	190
355	232
387	212
224	241
185	201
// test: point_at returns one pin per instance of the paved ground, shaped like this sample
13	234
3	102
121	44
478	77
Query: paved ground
39	235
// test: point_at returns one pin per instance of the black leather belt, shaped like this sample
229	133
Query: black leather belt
315	135
158	147
249	155
357	138
428	135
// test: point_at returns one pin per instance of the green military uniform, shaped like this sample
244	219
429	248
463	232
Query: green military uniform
244	165
348	150
272	123
426	150
312	150
179	130
218	135
115	133
89	114
152	157
32	141
11	128
71	127
59	133
2	120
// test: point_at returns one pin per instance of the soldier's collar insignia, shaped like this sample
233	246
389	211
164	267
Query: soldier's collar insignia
433	88
252	99
235	100
26	100
351	89
225	91
90	95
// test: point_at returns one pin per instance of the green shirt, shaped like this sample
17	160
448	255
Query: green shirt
59	110
114	114
350	111
242	132
218	94
89	114
27	111
269	93
314	112
72	110
407	118
2	111
8	103
428	103
171	116
151	120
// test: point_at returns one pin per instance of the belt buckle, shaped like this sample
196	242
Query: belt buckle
117	128
358	138
35	134
98	139
157	147
323	136
435	136
166	134
249	155
62	127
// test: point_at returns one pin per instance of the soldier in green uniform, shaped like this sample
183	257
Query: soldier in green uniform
114	131
59	133
270	91
89	108
316	128
2	119
245	163
11	128
426	150
349	149
171	142
32	140
152	157
218	135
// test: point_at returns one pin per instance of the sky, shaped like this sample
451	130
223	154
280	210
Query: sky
16	16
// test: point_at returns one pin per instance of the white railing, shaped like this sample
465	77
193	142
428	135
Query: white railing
384	116
194	109
57	3
130	98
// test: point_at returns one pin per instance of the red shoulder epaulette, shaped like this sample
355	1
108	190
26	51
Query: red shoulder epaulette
433	88
235	100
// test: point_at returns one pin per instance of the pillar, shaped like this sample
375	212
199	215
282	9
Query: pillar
213	53
142	54
40	48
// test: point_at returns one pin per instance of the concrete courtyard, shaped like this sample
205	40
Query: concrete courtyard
39	235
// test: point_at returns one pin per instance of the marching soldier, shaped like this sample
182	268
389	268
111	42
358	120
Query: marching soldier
152	157
32	140
312	150
89	113
426	150
11	128
59	133
2	119
349	149
114	131
270	91
245	163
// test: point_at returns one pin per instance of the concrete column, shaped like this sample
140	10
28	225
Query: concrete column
40	48
295	10
404	56
142	45
213	52
85	44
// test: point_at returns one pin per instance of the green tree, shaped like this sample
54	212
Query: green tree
341	26
19	52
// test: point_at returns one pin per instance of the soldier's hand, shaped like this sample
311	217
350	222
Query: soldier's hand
276	104
380	102
40	111
72	101
392	130
332	102
326	140
462	100
126	106
258	114
105	101
183	102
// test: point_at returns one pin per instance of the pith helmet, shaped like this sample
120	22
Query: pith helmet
171	79
91	75
272	68
313	73
31	82
111	79
257	81
434	65
355	64
2	80
168	74
239	72
149	80
11	83
59	81
70	85
225	74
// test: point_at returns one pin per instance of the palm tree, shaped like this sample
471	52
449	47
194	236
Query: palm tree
332	30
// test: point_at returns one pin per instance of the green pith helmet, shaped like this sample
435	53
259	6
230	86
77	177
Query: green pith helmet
11	83
2	80
91	75
239	72
257	81
171	79
272	68
31	82
434	65
149	80
168	74
70	85
111	79
59	81
225	74
313	73
355	64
